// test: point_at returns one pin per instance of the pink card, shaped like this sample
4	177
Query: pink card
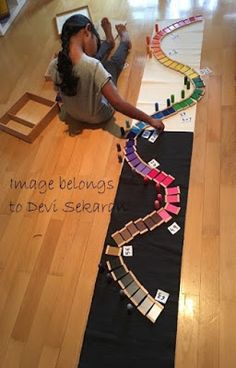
176	25
156	37
164	215
187	21
168	181
199	17
162	33
171	208
173	198
155	49
167	30
172	191
155	43
161	177
153	173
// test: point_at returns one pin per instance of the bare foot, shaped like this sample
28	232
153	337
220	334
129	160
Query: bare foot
123	33
106	25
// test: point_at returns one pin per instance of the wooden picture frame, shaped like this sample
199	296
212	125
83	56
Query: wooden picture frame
28	117
62	17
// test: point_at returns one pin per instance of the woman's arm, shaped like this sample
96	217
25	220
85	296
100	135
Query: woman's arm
111	93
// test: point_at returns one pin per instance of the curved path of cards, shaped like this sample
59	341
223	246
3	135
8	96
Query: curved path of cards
131	287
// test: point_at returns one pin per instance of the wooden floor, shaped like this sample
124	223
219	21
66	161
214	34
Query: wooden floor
48	261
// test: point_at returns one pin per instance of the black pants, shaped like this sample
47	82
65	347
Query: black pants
115	65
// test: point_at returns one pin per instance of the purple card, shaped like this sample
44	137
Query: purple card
129	150
146	170
130	143
135	162
131	156
140	167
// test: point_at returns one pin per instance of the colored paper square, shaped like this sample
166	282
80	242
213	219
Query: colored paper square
173	65
113	251
161	177
118	239
139	296
189	72
168	181
132	228
189	101
171	208
157	47
170	110
176	25
165	112
141	226
179	66
184	69
146	305
126	280
195	96
183	104
146	171
168	63
164	215
172	28
154	312
199	84
135	162
159	55
164	59
173	198
158	115
187	21
119	272
149	223
153	173
125	234
129	150
167	30
114	263
141	125
172	190
140	167
155	50
132	289
157	219
131	156
131	135
198	17
130	143
176	107
193	75
135	130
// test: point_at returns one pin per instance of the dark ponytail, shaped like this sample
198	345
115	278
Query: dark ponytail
73	25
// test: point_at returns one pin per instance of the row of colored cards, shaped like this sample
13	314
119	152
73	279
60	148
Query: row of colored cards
162	33
144	169
133	289
192	75
140	226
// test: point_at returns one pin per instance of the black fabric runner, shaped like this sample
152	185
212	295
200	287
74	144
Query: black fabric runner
113	338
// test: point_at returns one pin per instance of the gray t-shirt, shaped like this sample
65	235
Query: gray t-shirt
88	105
